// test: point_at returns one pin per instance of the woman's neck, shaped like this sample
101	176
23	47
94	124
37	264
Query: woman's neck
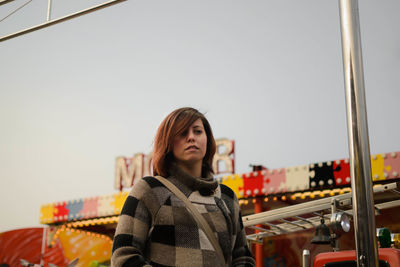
192	169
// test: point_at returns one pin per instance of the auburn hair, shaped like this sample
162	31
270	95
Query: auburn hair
173	125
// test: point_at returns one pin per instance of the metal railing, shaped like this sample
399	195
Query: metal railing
291	219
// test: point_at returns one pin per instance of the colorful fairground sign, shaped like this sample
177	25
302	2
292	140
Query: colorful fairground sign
128	170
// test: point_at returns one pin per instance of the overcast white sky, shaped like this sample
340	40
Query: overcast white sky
268	74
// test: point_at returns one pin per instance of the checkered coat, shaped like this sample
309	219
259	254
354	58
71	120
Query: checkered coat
156	229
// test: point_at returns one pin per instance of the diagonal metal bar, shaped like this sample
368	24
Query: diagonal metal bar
293	223
13	12
2	2
59	20
304	220
275	226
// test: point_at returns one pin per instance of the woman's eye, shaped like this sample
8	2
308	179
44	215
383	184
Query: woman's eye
198	131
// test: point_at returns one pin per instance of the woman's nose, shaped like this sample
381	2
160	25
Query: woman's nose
190	136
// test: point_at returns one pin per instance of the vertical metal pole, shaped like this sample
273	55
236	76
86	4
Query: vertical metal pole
49	11
43	247
306	258
360	164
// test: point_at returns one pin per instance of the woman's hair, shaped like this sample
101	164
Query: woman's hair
173	125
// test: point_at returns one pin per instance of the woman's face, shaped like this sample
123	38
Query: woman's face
190	147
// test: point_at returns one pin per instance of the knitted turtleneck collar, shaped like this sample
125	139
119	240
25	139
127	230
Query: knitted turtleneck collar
206	186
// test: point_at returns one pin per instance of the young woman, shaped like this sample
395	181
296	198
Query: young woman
155	227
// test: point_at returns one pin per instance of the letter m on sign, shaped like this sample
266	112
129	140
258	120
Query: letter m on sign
127	170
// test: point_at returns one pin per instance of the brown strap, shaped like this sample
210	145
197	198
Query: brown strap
197	216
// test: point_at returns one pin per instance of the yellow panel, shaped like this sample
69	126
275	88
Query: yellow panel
87	248
119	200
47	213
377	165
235	182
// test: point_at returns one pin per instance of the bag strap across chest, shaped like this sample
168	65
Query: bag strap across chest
197	216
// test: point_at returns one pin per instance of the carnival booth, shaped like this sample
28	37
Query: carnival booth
277	206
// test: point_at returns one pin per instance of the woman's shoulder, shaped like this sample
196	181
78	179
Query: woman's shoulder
227	192
146	188
150	192
146	183
230	199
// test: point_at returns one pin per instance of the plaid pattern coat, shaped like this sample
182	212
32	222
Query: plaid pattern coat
156	229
